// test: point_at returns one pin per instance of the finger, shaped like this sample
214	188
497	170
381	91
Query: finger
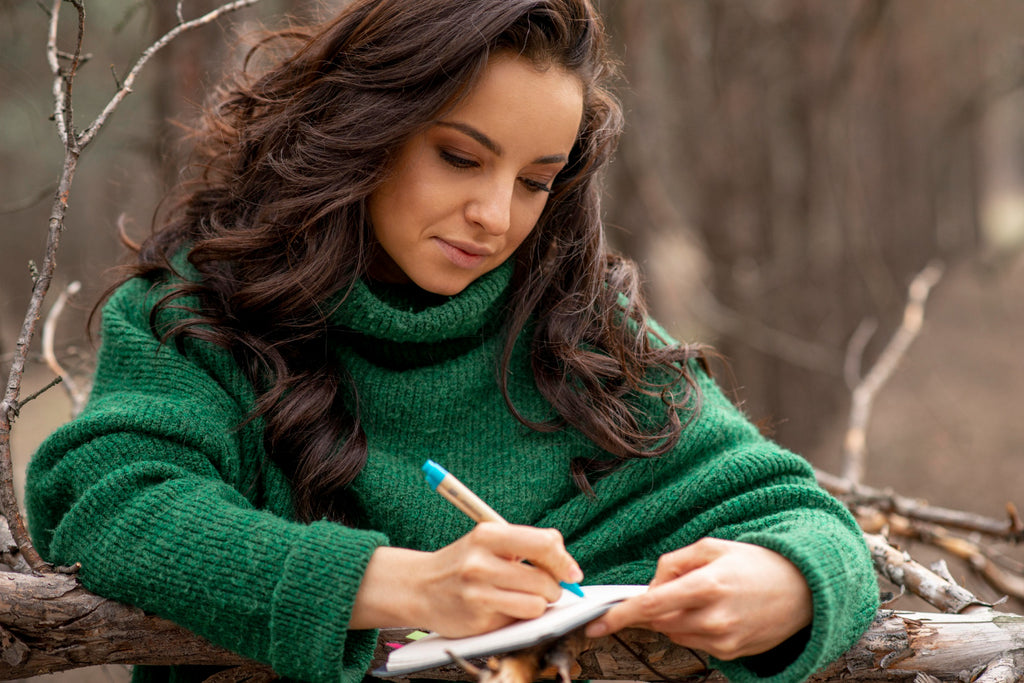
522	578
483	566
658	604
543	548
518	604
687	559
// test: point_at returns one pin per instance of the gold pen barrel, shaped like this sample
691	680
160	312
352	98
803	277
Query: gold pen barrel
467	501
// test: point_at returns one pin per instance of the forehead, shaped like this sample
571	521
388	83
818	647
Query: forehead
523	106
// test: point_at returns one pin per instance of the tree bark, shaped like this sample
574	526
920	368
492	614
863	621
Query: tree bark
49	623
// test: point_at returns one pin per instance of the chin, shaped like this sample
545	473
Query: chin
445	287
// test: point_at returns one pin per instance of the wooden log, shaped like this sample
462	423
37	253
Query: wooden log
50	623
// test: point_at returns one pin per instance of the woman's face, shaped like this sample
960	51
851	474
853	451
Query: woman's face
464	193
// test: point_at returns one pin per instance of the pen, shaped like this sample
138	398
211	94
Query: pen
459	495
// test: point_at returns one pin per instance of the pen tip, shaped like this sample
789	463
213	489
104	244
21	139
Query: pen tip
573	588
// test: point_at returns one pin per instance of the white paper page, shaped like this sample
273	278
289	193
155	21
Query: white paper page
561	617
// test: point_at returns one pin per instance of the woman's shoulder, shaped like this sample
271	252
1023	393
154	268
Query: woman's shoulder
154	322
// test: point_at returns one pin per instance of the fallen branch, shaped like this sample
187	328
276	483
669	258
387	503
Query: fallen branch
939	591
853	495
1005	581
49	623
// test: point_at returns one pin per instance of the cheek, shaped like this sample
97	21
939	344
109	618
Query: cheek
525	223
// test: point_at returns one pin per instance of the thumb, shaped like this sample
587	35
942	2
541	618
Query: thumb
688	558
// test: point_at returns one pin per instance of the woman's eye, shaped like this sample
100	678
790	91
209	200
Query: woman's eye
456	160
535	185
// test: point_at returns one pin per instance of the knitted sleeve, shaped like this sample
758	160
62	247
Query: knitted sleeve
724	480
154	490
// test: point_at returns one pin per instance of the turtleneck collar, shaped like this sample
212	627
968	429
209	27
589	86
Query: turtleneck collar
409	315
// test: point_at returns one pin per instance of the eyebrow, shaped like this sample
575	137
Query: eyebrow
493	146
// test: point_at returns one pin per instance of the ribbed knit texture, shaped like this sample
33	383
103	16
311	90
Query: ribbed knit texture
170	506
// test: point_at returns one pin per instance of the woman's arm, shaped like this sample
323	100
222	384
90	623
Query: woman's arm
727	510
169	505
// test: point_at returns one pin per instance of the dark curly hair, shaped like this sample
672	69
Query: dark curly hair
274	219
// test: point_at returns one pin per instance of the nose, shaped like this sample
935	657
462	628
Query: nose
491	208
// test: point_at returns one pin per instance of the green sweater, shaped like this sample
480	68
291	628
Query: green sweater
168	505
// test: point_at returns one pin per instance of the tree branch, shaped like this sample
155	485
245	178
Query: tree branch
853	494
855	445
76	396
74	144
939	591
126	85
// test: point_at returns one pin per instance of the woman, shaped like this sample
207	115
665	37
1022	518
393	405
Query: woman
392	251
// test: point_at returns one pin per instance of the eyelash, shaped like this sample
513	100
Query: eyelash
458	162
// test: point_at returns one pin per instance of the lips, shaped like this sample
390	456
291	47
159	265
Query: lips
463	254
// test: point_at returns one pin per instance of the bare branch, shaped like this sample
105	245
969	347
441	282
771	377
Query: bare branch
1007	582
76	395
859	494
1006	669
126	86
48	617
117	79
55	69
73	146
82	59
899	568
855	351
855	446
36	394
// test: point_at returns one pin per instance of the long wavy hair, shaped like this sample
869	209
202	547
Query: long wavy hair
274	219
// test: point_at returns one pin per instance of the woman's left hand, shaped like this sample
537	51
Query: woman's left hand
726	598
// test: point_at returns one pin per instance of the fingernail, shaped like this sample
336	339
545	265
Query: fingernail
596	630
575	574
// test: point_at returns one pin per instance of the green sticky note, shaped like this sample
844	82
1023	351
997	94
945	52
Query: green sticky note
416	635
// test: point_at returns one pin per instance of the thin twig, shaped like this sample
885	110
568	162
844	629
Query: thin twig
36	394
855	445
126	85
52	57
69	56
76	396
76	61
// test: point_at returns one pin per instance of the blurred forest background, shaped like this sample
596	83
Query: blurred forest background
788	166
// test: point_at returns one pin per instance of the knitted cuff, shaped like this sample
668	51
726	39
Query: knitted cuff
312	605
845	598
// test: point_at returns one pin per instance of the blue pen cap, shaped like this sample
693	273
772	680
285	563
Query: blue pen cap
434	473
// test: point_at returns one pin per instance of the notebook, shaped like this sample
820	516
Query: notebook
561	617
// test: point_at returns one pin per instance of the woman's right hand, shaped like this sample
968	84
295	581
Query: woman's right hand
474	585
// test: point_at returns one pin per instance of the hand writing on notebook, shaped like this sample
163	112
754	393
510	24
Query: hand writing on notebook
474	585
726	598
